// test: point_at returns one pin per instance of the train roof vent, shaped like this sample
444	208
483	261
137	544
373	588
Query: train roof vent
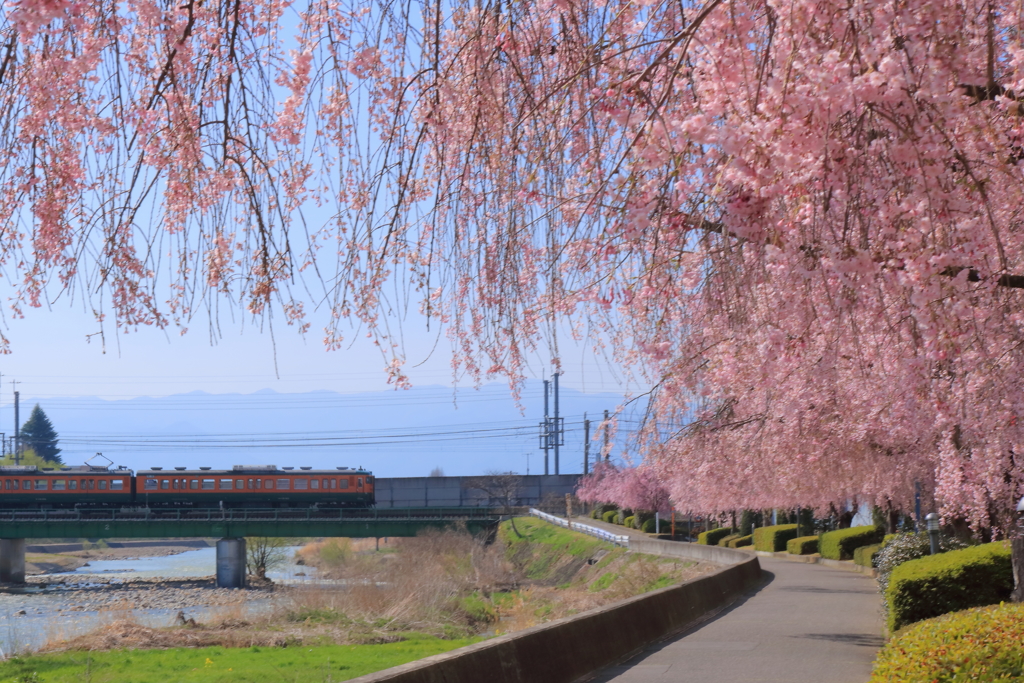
344	468
255	468
287	468
156	469
181	469
305	468
205	469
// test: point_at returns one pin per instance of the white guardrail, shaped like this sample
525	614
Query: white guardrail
582	528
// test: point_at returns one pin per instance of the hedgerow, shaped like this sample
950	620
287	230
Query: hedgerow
900	548
864	555
725	540
741	541
802	545
840	544
948	582
772	539
712	536
982	644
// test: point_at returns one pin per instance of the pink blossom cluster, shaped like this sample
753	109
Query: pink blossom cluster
799	222
635	488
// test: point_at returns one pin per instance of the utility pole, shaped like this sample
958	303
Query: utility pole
545	440
606	449
558	425
17	425
586	444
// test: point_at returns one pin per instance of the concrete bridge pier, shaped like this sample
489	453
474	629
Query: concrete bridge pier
12	560
230	562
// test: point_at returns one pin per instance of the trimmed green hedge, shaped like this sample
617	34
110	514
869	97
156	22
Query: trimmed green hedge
650	526
712	536
865	555
628	522
803	545
611	516
840	544
772	539
741	541
938	584
984	644
725	540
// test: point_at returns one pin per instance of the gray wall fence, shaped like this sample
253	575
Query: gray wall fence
533	490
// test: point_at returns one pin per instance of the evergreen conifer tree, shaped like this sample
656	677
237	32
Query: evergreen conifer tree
38	434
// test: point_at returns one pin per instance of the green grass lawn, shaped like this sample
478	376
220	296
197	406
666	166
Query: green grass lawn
214	664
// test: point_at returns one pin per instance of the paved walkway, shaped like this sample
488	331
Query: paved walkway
809	624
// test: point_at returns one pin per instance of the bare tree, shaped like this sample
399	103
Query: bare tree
264	553
503	490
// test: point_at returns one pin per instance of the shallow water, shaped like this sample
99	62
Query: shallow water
49	615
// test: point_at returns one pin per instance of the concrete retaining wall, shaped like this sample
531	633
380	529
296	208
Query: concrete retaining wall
571	648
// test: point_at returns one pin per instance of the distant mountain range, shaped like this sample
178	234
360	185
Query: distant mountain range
394	433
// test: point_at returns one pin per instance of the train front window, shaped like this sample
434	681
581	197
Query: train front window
60	484
284	484
209	484
73	484
40	484
150	485
103	484
117	484
193	484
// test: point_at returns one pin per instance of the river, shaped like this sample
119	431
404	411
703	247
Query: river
59	606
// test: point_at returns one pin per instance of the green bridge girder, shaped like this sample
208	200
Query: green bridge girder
284	522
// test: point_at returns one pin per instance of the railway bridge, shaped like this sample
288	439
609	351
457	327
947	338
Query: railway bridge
231	525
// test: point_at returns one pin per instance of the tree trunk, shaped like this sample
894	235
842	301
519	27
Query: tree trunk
1017	555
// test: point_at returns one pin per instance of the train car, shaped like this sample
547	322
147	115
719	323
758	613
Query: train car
254	486
29	487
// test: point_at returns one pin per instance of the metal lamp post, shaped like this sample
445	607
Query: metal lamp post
932	524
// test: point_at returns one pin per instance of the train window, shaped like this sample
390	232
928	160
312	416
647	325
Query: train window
103	484
73	484
174	483
209	484
344	483
259	483
150	485
250	483
117	484
359	482
239	483
225	484
40	484
284	483
165	484
330	484
314	483
193	483
369	480
60	484
302	484
92	484
16	484
7	484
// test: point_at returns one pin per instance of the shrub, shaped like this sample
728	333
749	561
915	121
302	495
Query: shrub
611	516
803	545
772	539
741	541
725	540
840	544
948	582
973	645
900	548
649	526
628	522
712	536
865	555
